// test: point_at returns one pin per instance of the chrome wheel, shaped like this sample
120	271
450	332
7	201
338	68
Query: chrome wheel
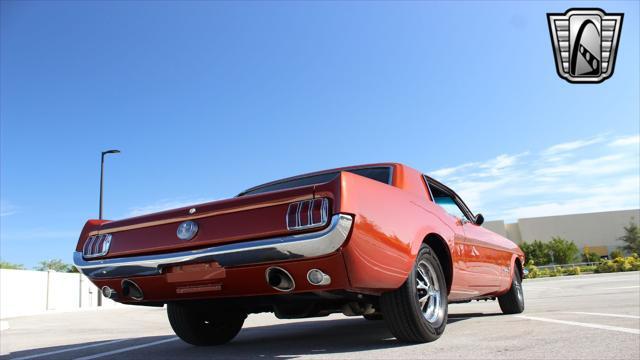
428	293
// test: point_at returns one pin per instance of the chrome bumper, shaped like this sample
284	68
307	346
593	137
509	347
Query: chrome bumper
289	247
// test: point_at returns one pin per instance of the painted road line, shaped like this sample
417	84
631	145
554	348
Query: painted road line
588	325
603	314
623	287
98	355
68	349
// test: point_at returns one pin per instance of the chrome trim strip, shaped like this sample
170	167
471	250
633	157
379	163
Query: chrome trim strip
288	247
179	219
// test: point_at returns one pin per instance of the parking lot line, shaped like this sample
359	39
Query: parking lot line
68	349
623	287
107	353
588	325
603	314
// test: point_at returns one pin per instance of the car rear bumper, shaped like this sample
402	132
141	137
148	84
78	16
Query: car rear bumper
291	247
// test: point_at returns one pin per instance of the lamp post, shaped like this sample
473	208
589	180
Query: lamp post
102	175
101	187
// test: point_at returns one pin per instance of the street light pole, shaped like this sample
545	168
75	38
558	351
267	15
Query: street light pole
101	191
102	176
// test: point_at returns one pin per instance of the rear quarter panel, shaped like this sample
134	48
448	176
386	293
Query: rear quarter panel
390	224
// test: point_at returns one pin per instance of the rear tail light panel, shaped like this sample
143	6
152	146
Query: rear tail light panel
96	246
308	214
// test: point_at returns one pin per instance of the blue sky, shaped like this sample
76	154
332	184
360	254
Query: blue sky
206	99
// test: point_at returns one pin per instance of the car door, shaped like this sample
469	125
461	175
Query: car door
477	260
490	261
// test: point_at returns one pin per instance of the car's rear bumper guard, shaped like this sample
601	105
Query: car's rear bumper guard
289	247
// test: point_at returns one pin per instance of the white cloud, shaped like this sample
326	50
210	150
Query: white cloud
572	145
566	178
164	204
448	171
627	140
7	208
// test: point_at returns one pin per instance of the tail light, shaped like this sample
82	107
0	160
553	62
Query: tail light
307	214
96	245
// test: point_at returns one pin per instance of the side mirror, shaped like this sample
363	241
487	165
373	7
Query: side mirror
479	219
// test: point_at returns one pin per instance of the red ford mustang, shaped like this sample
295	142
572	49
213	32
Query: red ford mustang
382	241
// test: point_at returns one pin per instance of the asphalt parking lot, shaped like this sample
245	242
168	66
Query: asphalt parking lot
583	317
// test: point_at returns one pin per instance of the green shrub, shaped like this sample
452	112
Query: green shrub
564	251
536	251
8	265
572	271
616	254
533	270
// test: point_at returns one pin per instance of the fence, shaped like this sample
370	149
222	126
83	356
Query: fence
27	292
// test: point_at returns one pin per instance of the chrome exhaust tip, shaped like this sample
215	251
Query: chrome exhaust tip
108	292
131	290
279	279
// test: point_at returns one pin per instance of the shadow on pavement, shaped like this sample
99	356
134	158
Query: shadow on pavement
290	340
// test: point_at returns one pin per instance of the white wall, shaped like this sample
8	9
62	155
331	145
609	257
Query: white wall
601	229
27	292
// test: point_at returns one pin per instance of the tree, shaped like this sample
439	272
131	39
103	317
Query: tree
564	251
631	238
54	264
8	265
536	251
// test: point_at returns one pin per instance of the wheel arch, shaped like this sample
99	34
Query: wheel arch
517	265
443	253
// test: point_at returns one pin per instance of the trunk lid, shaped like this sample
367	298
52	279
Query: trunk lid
219	222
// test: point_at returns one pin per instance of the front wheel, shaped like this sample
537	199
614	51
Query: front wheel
512	302
417	311
204	327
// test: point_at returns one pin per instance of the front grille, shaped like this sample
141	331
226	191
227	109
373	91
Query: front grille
96	245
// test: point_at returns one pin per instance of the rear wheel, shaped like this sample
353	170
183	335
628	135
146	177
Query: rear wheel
513	301
417	311
204	327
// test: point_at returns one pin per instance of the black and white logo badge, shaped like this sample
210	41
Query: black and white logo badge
585	43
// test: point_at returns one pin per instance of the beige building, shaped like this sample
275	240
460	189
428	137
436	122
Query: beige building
599	231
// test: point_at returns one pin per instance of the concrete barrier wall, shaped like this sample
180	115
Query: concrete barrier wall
27	292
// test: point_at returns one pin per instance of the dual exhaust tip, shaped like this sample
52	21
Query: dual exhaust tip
129	290
277	277
280	279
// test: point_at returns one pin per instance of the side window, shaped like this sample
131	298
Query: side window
445	201
449	205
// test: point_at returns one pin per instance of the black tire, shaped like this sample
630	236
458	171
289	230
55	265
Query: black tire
403	314
512	302
202	327
373	317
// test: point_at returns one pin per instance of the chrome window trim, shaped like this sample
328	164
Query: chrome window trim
456	198
283	248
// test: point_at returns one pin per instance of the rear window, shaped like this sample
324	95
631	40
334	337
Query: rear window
381	174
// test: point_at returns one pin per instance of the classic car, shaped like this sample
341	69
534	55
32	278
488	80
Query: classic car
381	241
